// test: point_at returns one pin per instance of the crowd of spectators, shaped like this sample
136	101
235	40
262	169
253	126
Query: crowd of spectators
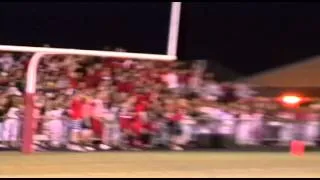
86	103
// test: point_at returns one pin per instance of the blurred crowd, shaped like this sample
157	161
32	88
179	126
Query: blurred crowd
87	103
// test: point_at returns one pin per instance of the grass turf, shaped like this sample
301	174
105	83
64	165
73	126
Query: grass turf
159	164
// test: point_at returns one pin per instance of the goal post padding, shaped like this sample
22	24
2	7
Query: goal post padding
31	75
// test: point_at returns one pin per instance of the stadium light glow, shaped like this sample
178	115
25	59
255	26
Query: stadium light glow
291	100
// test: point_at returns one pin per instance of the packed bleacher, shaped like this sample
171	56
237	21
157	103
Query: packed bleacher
92	103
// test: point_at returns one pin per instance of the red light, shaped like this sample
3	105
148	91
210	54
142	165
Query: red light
291	100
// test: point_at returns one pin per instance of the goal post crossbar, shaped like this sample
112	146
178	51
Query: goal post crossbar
87	52
31	75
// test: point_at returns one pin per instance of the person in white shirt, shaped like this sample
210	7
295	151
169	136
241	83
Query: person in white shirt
6	62
12	124
211	111
63	82
103	116
111	133
256	126
245	129
311	130
12	90
243	91
171	79
3	111
127	63
286	132
211	90
227	127
54	124
195	81
186	127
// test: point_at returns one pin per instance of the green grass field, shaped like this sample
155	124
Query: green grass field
159	164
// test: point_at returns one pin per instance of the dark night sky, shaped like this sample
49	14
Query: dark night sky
246	37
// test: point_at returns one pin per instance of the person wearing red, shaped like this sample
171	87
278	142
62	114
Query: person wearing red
138	122
37	113
125	86
92	78
73	79
87	127
96	120
76	112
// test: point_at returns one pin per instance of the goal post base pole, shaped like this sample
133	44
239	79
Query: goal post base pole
30	90
27	130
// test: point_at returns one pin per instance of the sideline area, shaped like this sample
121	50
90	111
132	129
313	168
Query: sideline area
159	164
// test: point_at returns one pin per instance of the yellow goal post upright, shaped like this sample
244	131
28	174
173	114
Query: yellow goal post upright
30	89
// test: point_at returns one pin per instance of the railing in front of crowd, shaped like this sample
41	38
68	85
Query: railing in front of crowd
259	133
215	133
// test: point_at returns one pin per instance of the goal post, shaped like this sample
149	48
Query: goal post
31	75
173	35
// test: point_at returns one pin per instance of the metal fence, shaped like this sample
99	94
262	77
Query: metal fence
237	133
257	133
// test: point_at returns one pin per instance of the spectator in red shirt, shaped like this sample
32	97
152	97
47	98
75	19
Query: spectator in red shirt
92	78
137	123
76	114
73	78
